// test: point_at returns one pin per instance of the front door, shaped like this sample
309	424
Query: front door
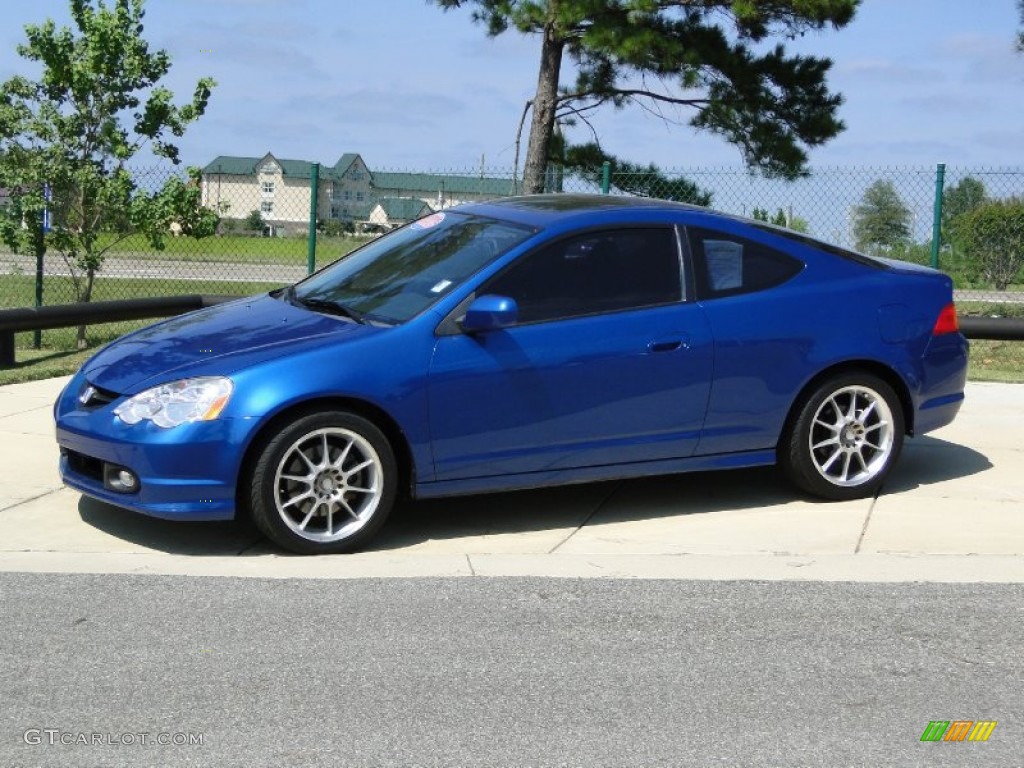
607	366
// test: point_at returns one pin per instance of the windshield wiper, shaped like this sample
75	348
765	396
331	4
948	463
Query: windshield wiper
285	294
326	306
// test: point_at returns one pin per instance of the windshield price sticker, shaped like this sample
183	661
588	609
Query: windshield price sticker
429	221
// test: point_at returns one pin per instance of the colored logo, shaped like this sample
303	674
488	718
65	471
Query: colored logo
958	730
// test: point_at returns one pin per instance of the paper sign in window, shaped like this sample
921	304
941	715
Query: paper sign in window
724	259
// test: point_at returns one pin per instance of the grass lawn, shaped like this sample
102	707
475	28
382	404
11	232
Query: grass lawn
996	361
988	309
239	249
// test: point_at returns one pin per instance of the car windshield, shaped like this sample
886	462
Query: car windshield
400	274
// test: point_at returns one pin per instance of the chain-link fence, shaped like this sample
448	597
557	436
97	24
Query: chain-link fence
268	209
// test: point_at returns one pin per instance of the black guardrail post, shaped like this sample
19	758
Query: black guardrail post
6	349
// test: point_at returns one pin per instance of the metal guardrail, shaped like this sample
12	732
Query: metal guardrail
93	313
97	312
993	328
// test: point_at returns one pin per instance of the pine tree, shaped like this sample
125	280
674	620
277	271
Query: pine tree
708	56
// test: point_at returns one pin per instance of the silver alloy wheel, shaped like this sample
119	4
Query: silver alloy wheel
328	484
851	436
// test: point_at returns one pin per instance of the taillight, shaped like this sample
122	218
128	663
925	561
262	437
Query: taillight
947	322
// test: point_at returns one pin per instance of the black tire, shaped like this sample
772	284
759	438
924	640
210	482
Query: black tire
845	437
311	503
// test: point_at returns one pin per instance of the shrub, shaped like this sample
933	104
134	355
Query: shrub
992	239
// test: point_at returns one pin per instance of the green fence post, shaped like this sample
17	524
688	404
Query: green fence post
37	335
314	189
940	179
606	177
39	245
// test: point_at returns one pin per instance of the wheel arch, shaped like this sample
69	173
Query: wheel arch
882	371
369	411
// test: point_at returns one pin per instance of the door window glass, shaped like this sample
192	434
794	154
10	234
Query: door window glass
605	271
727	265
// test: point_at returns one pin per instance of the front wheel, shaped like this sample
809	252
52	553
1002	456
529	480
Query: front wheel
324	484
845	439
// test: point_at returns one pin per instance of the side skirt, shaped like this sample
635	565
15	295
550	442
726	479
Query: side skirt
528	480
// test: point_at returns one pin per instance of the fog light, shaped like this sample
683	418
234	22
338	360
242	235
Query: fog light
120	479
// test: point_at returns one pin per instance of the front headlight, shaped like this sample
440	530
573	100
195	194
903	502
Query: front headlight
179	402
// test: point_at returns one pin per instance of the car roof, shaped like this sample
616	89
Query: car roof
542	210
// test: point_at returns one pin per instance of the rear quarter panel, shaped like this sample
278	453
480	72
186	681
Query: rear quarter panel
769	345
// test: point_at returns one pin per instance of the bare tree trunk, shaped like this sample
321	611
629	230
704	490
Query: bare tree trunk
519	142
544	103
85	298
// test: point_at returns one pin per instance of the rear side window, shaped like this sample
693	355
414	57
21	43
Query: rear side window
729	265
605	271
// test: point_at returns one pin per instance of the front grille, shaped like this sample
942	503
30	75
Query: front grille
86	466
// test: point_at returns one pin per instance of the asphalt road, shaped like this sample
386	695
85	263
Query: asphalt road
503	672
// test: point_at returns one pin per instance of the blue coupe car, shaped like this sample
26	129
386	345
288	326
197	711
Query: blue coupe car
521	343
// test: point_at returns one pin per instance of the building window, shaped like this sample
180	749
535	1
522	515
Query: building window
268	187
359	197
266	207
356	175
348	194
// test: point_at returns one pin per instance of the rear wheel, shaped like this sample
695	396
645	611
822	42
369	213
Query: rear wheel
845	439
324	484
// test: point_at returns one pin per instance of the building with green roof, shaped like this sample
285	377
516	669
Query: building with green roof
347	191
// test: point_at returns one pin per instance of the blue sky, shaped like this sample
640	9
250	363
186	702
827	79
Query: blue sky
410	87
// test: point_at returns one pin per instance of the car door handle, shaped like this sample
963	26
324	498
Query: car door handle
666	345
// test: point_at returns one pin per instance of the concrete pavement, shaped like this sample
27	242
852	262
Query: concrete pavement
953	510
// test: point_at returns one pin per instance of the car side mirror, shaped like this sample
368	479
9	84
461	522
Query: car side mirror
490	313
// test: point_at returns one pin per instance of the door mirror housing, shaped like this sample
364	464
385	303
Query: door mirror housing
490	313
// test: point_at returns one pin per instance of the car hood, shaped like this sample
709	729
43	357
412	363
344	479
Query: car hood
218	339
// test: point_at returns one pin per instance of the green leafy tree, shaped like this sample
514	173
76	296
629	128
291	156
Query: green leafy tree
960	199
781	219
708	56
1020	35
586	161
881	222
65	139
330	227
993	239
254	221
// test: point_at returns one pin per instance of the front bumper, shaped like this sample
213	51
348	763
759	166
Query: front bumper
184	473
